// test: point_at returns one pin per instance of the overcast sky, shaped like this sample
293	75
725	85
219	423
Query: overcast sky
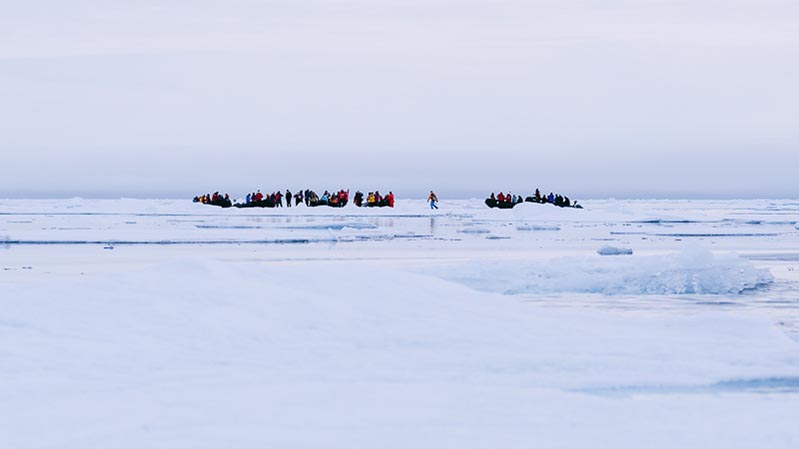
591	98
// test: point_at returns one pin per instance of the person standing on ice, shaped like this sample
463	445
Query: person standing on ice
433	200
288	198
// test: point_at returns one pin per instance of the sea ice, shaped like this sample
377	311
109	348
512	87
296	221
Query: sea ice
693	271
475	231
538	228
208	336
608	250
195	353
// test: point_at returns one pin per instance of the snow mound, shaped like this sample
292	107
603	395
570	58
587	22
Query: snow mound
688	272
608	250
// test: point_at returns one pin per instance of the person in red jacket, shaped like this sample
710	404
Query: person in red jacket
390	198
501	197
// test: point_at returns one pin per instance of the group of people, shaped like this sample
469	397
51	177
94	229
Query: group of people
336	199
373	199
307	196
511	199
275	198
216	199
554	198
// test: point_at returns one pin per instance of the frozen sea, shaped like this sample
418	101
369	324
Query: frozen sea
167	324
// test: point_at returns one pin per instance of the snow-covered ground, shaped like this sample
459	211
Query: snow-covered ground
168	324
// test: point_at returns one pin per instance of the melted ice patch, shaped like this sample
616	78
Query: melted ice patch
758	385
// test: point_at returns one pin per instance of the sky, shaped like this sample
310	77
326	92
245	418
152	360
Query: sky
592	98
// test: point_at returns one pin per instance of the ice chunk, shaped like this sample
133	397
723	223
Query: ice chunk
334	226
538	228
608	250
688	272
475	231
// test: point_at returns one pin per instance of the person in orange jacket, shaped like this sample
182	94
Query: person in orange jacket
433	200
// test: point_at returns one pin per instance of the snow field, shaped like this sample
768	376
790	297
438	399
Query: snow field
193	353
165	324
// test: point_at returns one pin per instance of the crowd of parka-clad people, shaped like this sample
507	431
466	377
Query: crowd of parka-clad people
371	199
307	197
509	199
